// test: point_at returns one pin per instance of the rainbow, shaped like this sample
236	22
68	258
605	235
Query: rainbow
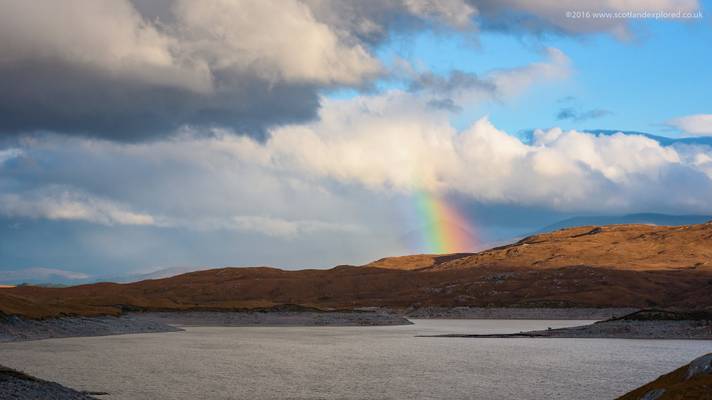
444	229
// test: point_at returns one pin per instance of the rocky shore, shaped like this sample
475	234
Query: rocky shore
517	313
644	324
13	328
273	318
18	385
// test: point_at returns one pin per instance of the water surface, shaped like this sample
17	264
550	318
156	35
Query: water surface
352	363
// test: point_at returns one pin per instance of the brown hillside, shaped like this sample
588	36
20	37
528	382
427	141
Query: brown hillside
691	382
628	247
414	262
612	266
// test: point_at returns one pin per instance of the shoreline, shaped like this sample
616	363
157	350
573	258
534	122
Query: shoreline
18	329
531	313
19	385
644	324
273	318
630	326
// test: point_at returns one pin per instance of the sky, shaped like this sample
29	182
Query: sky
137	136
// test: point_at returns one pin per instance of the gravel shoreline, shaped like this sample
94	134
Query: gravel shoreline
668	330
644	324
518	313
18	385
274	318
13	328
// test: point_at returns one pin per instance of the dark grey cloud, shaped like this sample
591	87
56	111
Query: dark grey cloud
57	97
573	114
372	21
132	71
446	88
445	104
453	81
139	70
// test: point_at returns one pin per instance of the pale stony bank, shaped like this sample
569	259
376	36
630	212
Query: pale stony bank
13	328
644	324
20	386
517	313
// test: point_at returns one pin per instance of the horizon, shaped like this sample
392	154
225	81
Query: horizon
138	136
48	277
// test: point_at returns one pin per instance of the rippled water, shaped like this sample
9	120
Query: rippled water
352	363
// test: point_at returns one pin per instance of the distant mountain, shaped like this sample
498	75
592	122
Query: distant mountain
644	218
527	137
607	266
665	141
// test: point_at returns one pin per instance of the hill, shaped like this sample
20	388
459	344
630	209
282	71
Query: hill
641	218
417	261
609	266
692	381
623	247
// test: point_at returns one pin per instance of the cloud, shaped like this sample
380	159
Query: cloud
545	16
263	225
40	275
260	37
330	191
132	71
453	12
142	70
698	125
457	88
454	81
314	178
9	154
561	170
575	115
102	69
59	203
320	177
445	104
372	22
281	227
513	81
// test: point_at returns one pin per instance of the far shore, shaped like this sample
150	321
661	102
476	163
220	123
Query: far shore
19	385
644	324
613	323
540	313
14	328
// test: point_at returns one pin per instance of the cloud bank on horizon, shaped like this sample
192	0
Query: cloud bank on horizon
274	125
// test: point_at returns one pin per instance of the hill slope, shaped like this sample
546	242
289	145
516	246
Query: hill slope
625	247
611	266
692	381
643	218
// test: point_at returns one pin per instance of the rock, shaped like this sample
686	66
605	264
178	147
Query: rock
653	394
700	366
20	386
